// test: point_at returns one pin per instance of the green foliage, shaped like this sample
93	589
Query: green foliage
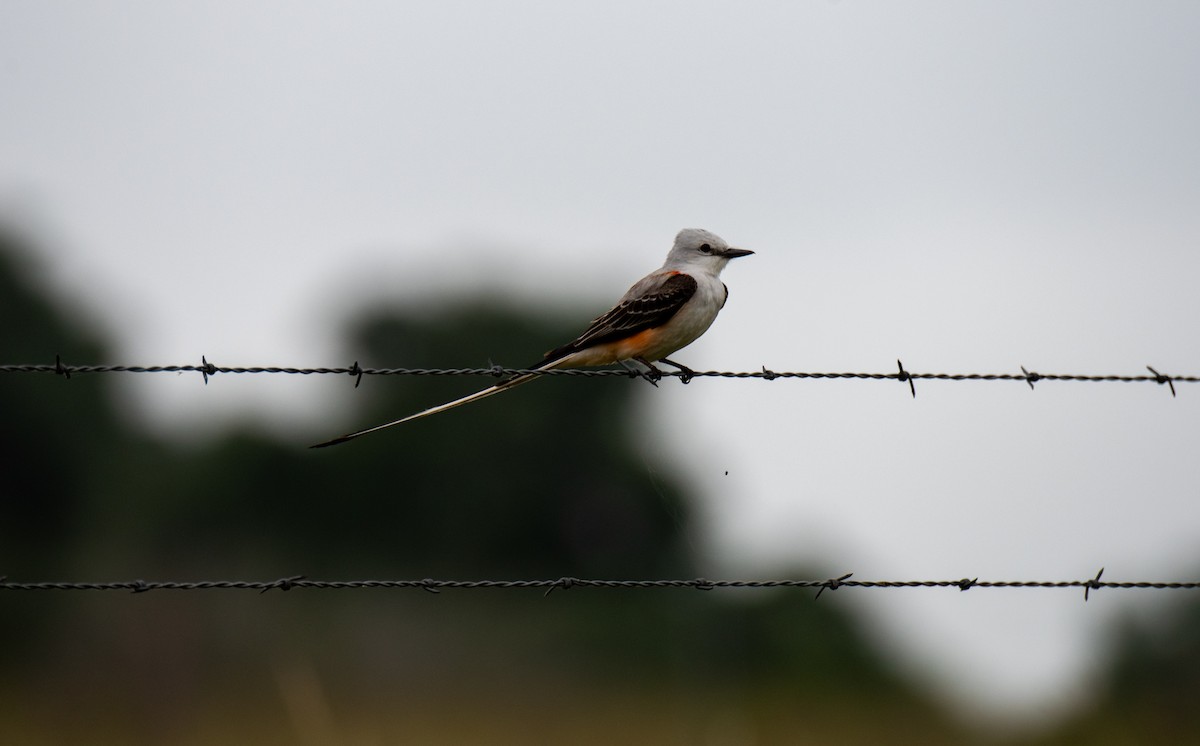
55	433
544	481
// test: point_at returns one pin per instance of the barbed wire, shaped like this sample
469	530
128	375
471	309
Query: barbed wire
566	583
207	369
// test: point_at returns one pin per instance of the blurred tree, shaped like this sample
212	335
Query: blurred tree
1149	690
58	441
56	432
544	481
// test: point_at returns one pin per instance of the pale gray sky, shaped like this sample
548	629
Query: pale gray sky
968	186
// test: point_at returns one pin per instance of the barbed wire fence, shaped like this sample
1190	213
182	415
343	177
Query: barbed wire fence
207	369
566	583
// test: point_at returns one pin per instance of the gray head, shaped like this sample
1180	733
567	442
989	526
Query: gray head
701	249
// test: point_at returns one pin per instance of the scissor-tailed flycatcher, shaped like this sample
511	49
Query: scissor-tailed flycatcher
665	311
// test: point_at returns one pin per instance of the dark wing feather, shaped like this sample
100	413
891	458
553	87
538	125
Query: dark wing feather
632	316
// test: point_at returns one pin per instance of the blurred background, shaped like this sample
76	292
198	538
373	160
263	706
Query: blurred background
969	187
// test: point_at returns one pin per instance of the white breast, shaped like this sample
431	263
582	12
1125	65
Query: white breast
693	319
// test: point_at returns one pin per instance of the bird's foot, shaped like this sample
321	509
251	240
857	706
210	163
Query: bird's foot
651	375
686	374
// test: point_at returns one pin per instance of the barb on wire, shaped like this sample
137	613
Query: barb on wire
1030	378
207	369
903	376
1092	584
567	583
1161	379
832	584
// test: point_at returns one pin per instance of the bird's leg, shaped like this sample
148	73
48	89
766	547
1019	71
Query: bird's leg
686	374
651	376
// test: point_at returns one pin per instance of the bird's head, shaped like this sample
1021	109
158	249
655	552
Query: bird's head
703	250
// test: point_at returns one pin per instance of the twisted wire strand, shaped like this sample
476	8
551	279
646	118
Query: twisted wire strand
207	369
566	583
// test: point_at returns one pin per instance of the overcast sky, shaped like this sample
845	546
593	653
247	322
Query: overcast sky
967	186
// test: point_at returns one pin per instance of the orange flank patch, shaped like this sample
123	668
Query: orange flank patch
635	345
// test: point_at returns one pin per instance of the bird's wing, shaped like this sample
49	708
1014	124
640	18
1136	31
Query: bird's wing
649	303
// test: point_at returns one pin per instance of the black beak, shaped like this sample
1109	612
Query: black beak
732	253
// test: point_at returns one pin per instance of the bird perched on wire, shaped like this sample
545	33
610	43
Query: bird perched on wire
663	312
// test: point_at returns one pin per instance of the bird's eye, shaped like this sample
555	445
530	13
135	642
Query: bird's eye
705	249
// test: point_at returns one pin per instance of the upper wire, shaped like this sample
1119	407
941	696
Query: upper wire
209	370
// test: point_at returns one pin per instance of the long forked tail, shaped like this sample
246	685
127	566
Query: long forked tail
506	385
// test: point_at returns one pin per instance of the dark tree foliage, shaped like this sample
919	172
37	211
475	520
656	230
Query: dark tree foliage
543	481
